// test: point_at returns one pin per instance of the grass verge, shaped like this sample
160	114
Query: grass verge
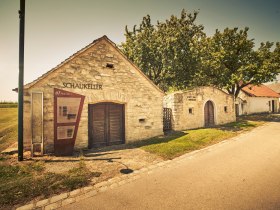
8	127
178	143
22	183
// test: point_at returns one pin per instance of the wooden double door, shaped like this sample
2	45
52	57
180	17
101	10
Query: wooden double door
209	114
106	124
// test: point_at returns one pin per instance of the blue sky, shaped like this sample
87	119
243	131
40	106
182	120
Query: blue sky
55	29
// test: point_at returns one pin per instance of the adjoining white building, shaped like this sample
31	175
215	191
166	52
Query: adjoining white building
257	99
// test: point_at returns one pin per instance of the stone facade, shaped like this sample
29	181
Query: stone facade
188	107
122	82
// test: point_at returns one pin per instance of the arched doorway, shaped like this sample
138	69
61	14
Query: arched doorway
209	114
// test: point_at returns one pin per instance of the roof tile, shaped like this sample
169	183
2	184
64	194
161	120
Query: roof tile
260	91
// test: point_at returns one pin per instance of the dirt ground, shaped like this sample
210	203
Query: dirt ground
110	161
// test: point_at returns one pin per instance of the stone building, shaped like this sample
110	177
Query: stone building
96	97
199	107
257	99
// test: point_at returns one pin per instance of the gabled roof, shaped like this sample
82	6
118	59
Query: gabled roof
260	91
275	87
29	85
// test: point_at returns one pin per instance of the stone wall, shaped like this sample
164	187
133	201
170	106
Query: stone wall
195	99
123	84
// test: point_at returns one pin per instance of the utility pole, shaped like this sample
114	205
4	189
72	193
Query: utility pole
20	79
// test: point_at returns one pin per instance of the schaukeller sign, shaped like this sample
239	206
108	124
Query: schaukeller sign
82	86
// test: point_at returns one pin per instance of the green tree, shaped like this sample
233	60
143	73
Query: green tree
166	52
231	62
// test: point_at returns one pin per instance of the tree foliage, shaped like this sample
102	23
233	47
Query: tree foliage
167	51
230	60
177	54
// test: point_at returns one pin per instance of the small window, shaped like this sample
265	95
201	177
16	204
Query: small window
191	111
110	65
142	120
225	109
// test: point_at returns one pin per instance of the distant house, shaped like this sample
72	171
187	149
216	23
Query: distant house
257	99
199	107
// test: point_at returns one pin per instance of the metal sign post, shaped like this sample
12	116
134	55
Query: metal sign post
20	79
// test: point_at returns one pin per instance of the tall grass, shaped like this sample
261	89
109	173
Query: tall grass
8	127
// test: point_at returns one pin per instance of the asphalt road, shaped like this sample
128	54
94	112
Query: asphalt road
242	173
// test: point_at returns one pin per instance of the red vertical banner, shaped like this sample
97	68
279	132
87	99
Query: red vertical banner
67	114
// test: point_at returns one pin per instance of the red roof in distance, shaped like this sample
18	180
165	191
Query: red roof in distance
260	91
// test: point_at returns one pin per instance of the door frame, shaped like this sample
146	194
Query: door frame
32	123
90	110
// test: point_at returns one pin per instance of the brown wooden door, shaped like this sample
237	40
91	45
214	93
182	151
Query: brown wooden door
106	124
98	124
209	114
115	114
